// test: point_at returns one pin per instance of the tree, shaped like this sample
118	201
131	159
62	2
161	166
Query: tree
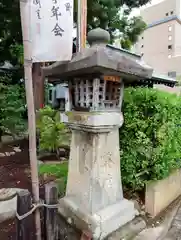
114	16
10	32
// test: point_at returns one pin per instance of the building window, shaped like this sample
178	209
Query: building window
166	14
169	56
171	12
169	37
169	28
169	47
172	74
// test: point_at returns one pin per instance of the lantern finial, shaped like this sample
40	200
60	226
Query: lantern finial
98	36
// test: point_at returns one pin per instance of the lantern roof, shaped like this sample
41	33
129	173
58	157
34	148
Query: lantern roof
105	59
101	58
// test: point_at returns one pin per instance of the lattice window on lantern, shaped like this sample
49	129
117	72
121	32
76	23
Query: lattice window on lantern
95	94
112	93
82	94
102	90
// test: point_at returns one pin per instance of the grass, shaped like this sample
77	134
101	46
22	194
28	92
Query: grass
60	171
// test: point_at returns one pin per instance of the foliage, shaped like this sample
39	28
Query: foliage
150	138
114	16
60	171
12	107
10	31
53	133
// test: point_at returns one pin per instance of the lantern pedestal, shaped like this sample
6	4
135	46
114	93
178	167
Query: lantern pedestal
94	198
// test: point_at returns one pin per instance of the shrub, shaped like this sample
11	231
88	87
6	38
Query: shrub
12	107
150	138
52	132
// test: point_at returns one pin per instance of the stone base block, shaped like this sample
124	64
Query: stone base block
101	223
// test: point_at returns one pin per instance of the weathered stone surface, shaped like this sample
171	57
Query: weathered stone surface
161	232
17	149
7	193
94	198
94	169
100	223
94	122
8	207
173	234
128	231
150	234
157	199
7	139
175	231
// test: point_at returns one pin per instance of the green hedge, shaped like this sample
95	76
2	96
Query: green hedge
150	138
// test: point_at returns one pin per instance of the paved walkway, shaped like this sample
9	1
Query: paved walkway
175	231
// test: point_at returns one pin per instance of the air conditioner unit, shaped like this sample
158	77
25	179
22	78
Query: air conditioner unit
52	97
62	94
58	97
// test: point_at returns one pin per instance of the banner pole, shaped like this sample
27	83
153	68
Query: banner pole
25	9
81	24
78	42
84	24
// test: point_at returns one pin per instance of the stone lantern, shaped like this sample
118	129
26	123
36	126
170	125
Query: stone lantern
94	198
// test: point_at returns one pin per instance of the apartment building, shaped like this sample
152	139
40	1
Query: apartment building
160	44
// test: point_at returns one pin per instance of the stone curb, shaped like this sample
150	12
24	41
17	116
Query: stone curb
128	231
8	207
159	233
7	194
168	222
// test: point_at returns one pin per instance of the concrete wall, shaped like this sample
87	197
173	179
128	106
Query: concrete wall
159	194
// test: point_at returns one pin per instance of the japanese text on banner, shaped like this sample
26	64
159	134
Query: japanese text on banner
51	30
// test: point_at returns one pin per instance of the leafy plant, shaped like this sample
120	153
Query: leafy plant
53	133
60	171
12	107
150	138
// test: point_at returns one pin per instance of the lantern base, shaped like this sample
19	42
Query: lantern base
94	198
100	224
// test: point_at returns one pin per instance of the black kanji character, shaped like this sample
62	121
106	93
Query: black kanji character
68	7
58	30
55	12
38	14
37	2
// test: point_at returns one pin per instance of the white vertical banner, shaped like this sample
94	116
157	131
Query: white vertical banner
51	24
